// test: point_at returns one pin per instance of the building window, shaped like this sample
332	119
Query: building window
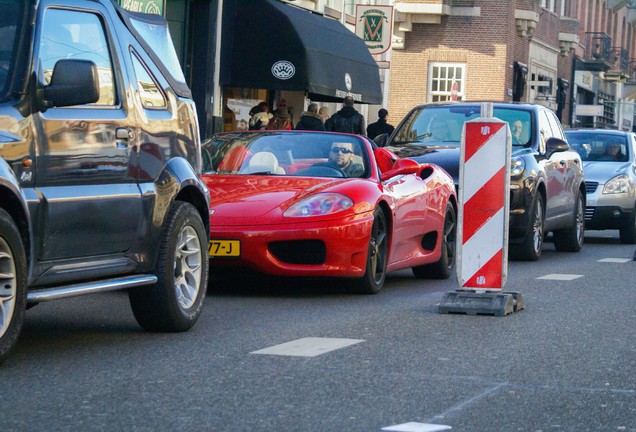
548	4
446	82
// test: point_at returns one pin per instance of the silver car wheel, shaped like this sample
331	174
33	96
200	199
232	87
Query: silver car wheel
537	227
187	267
8	286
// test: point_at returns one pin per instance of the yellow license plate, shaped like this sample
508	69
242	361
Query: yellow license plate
224	248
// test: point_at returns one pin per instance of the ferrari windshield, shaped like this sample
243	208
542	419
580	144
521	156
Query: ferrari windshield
10	20
444	124
285	153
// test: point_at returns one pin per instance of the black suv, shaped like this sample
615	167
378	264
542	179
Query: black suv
547	188
99	164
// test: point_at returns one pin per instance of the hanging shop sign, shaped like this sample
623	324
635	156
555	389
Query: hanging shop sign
374	24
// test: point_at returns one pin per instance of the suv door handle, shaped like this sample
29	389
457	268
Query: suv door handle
122	135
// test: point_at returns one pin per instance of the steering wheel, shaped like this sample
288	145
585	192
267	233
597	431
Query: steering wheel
332	167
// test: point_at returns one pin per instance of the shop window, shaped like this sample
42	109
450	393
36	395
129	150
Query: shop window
238	103
446	82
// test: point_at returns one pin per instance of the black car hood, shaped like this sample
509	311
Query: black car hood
446	157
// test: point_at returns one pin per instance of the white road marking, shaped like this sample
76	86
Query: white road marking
416	427
615	260
562	277
308	347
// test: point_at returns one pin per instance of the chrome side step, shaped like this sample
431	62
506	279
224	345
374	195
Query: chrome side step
61	292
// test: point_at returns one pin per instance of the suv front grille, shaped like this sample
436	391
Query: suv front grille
590	187
299	251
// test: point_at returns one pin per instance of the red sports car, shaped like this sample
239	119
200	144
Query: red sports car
320	204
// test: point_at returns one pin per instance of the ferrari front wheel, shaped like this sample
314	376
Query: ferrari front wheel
377	256
443	268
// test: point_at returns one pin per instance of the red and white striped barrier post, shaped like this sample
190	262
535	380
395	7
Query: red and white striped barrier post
484	202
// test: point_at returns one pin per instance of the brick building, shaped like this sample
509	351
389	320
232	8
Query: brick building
574	56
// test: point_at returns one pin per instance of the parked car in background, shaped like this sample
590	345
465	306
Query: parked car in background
547	189
321	204
610	179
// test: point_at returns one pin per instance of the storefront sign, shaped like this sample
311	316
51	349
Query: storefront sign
283	69
589	110
374	24
145	6
584	79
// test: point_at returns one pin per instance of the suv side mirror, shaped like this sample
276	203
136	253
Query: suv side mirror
554	145
73	82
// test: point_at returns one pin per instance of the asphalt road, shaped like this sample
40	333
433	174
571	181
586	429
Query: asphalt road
565	363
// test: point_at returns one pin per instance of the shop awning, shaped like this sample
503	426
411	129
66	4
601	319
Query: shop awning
271	45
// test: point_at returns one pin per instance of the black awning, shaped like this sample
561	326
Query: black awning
271	45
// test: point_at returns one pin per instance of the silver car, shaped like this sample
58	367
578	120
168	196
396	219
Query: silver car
610	179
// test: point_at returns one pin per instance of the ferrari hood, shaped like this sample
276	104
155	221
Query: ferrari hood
239	200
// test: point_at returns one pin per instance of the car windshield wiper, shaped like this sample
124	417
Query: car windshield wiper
418	139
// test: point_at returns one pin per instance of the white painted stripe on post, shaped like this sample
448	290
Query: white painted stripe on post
483	245
485	163
308	347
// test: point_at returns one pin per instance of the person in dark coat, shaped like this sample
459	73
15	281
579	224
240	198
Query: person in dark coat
311	120
381	126
347	120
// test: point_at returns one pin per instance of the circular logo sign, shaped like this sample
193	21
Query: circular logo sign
348	81
152	8
283	69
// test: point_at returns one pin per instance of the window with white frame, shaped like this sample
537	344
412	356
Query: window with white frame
446	80
551	6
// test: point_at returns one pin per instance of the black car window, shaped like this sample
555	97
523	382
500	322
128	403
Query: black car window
545	131
10	20
555	125
80	36
149	91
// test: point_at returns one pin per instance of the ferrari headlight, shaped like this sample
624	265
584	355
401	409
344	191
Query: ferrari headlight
619	184
517	165
320	205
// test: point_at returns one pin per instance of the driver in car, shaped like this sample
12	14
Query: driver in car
341	155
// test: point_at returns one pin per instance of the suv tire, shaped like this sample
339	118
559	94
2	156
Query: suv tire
13	276
571	239
532	246
174	303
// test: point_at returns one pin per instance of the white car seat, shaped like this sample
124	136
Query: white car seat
264	161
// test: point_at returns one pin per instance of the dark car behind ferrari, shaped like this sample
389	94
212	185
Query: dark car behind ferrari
547	188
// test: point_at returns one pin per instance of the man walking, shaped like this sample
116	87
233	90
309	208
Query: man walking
347	120
381	126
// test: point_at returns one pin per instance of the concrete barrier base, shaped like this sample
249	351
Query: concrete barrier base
476	302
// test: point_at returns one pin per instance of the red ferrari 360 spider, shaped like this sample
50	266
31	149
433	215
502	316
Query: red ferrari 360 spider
320	204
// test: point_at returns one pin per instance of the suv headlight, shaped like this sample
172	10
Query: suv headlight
619	184
319	205
517	166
